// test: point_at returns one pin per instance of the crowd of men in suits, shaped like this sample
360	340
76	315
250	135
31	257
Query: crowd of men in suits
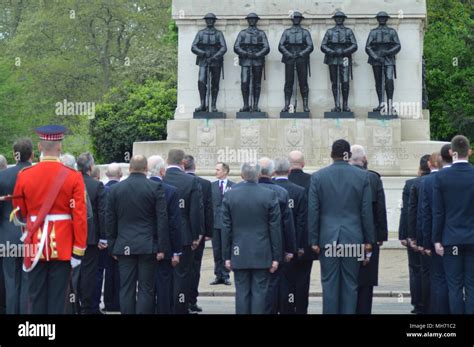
437	227
140	241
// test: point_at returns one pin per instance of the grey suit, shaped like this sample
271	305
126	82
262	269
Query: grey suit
340	212
219	269
251	234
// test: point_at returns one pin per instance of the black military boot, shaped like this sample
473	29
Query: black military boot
305	103
345	97
287	103
337	102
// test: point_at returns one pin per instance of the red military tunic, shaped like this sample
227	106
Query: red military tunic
67	219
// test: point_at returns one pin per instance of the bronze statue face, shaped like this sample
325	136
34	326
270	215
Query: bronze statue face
339	20
382	20
252	21
296	20
210	22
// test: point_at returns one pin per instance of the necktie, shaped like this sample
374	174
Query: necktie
221	187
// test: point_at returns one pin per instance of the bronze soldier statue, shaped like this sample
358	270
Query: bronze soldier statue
251	46
209	46
296	45
338	44
382	46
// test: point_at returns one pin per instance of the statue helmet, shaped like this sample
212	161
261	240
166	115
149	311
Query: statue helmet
382	14
297	14
252	15
210	16
339	14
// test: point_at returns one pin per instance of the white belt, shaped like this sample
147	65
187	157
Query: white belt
47	219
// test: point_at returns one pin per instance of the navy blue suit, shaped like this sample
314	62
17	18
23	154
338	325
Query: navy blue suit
453	227
108	265
15	279
439	287
273	302
414	258
164	269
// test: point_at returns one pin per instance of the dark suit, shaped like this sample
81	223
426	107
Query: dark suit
340	213
369	274
219	269
414	258
192	223
439	302
95	232
164	268
206	190
252	239
453	227
137	229
305	263
289	246
290	297
415	217
15	280
108	273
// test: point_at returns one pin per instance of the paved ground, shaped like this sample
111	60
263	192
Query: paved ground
393	276
391	296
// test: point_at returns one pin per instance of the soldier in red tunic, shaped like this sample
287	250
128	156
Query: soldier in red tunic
50	197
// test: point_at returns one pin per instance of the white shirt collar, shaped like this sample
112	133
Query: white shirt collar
446	166
434	170
459	161
224	181
157	177
281	178
174	166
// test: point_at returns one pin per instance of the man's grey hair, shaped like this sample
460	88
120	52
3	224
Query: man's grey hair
3	162
250	171
155	164
296	159
85	162
358	153
69	160
114	170
282	166
267	166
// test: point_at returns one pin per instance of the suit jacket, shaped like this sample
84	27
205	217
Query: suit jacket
403	225
174	216
453	207
251	227
136	218
190	202
206	190
298	205
414	212
300	178
8	231
96	224
379	208
287	223
217	202
340	206
427	210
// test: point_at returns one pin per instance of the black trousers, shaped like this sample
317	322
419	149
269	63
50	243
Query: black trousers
137	269
48	287
220	270
3	307
302	270
196	272
182	281
108	278
426	283
414	267
365	296
88	279
272	300
164	287
15	285
287	294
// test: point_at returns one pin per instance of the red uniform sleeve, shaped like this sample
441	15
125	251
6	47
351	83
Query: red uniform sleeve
20	202
79	217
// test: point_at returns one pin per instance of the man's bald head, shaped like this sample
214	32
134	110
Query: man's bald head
114	171
139	164
296	159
